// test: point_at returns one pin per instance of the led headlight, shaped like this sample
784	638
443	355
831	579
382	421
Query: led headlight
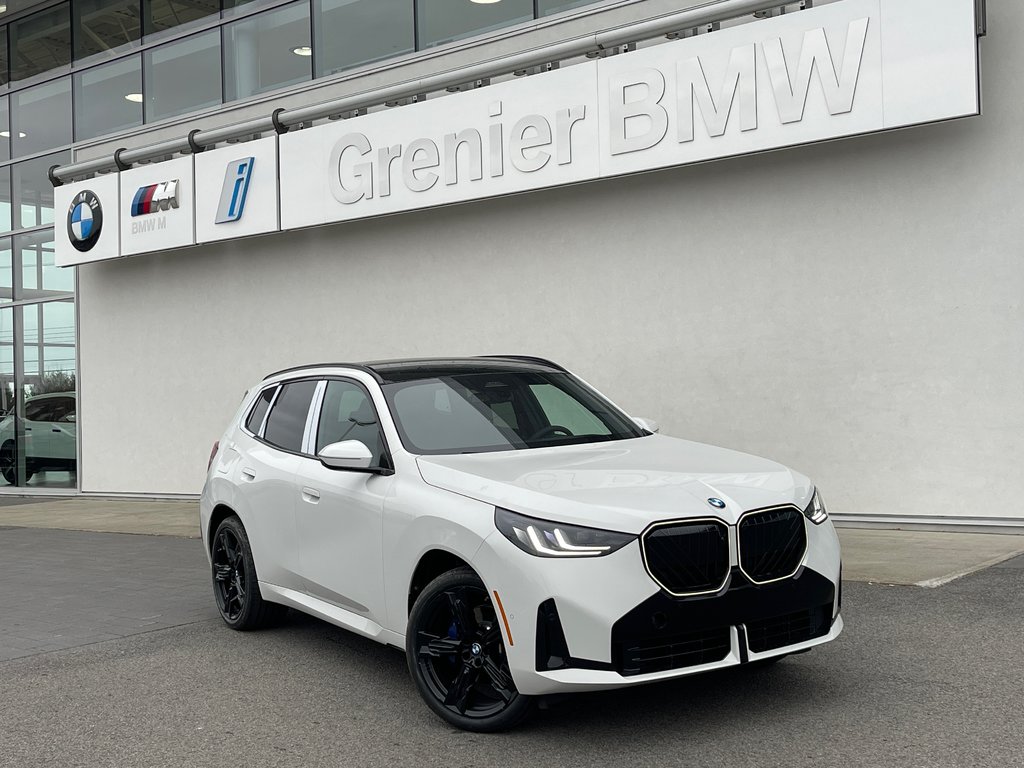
547	539
816	511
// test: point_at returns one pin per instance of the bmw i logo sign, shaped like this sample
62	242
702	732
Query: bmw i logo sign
85	220
716	503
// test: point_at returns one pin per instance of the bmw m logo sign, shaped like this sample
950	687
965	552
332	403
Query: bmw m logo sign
85	220
155	198
235	190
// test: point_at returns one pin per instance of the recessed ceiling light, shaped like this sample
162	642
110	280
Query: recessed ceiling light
303	50
7	134
135	97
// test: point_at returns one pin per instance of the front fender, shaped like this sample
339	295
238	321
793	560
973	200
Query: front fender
418	519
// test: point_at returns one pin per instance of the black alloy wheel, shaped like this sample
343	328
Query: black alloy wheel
234	580
456	655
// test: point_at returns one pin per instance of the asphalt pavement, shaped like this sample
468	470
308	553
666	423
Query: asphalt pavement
920	677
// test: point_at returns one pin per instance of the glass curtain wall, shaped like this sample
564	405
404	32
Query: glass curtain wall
38	403
197	54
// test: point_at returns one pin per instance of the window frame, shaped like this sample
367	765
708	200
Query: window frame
243	424
388	462
270	409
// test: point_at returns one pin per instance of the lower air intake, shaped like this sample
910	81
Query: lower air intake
790	629
688	649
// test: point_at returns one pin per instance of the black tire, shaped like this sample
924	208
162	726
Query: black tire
235	586
456	655
8	466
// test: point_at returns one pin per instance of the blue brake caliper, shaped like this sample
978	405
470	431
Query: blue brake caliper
453	634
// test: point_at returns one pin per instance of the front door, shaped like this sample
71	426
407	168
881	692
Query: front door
339	513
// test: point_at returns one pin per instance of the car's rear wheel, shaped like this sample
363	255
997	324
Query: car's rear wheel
234	580
456	655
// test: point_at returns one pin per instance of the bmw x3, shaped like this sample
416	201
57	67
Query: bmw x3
512	530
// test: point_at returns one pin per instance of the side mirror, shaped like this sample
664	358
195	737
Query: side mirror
348	454
650	426
70	418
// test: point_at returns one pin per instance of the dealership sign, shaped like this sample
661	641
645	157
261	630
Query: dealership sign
842	69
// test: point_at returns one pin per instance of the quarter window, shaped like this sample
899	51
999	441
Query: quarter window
255	420
287	420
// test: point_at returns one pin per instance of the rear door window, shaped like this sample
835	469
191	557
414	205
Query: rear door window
287	420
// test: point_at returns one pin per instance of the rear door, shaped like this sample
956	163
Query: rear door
269	450
339	513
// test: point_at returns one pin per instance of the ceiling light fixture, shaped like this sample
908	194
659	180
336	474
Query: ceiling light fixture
303	50
3	9
133	97
7	134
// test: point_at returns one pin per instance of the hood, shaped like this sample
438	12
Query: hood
623	485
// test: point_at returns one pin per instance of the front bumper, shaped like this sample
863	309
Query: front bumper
600	623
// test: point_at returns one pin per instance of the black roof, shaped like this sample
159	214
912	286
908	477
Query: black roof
409	369
428	368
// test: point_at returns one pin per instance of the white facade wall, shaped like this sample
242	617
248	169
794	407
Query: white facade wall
851	309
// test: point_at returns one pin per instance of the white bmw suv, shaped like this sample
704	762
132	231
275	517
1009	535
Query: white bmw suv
510	528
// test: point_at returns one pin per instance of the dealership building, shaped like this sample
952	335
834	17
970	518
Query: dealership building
794	230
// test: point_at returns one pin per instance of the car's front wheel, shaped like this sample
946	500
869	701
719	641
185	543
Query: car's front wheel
234	580
9	463
456	655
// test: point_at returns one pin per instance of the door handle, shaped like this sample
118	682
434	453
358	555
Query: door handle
311	495
249	473
55	430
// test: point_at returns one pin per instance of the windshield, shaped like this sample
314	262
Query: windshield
502	411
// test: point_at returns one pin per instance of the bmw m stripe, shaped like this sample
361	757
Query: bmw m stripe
155	197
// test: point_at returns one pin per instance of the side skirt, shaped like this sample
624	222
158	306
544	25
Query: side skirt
332	614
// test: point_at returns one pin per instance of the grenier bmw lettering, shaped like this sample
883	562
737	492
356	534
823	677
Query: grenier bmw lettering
359	171
510	528
85	220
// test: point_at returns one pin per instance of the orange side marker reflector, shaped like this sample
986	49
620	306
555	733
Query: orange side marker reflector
504	618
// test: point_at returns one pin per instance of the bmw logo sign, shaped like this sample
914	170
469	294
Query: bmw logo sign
716	503
85	220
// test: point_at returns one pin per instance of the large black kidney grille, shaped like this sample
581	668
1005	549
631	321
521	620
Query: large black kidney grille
688	557
772	543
